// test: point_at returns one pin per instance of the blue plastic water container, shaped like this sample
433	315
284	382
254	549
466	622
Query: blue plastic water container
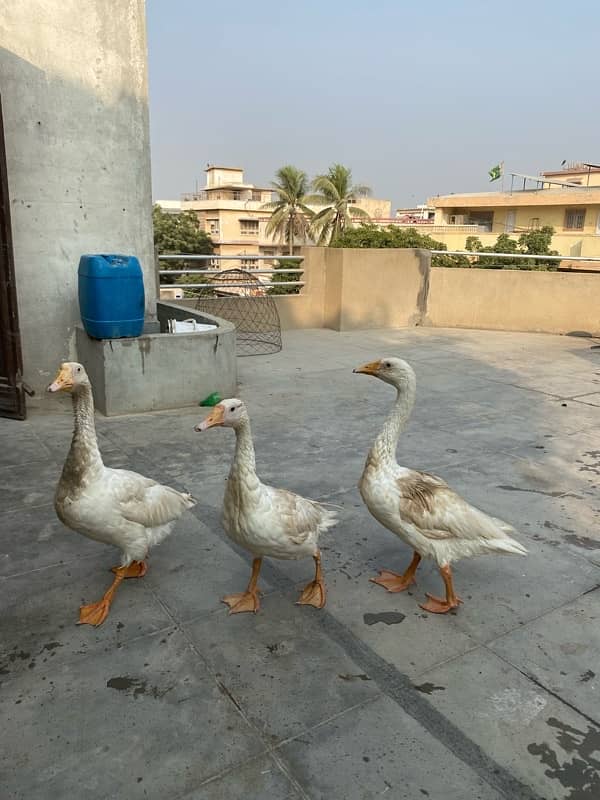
111	296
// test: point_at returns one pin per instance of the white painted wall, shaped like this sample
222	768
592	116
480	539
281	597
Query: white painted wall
73	78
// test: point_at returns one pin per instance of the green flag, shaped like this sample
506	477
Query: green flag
495	172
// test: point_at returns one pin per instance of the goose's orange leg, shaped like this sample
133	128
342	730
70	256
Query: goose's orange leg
314	593
248	600
96	613
438	606
398	583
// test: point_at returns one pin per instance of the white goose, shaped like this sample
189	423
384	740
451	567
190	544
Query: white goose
264	520
114	506
420	508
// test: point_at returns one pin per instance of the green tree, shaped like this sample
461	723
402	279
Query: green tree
180	233
535	242
281	277
395	236
335	192
290	216
473	243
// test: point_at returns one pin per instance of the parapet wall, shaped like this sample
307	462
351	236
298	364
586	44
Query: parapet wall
349	289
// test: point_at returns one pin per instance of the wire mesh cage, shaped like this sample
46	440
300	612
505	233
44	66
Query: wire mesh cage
244	301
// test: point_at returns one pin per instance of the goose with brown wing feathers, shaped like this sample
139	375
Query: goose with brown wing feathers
420	508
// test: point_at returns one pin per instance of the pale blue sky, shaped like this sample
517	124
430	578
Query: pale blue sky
417	98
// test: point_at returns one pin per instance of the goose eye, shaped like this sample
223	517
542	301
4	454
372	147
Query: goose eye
387	364
232	409
78	369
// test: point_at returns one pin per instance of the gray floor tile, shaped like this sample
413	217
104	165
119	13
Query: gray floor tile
131	723
40	612
539	739
379	751
258	779
23	485
32	538
21	445
280	667
561	650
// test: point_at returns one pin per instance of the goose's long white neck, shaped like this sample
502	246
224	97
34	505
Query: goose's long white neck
384	447
244	458
84	456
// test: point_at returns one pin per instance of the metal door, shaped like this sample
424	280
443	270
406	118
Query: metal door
12	396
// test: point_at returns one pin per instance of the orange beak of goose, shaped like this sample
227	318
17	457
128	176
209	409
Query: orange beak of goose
216	417
372	368
63	381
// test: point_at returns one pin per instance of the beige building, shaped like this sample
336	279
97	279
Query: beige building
232	212
568	200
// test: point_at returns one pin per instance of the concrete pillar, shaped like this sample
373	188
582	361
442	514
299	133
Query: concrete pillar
75	102
382	288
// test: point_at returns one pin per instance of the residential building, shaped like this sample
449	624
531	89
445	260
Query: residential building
233	213
417	215
567	199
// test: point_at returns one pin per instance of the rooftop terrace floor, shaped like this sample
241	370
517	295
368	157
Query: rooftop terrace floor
371	697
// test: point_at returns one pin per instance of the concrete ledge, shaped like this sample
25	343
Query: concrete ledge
160	370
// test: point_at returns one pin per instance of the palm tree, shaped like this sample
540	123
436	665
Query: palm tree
337	194
290	216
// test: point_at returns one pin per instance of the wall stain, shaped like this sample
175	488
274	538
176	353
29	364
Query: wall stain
145	345
581	774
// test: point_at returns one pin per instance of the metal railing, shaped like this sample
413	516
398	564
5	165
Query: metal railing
476	254
242	265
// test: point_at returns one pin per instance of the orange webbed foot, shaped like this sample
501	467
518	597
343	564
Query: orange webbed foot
314	594
94	613
242	601
437	605
392	581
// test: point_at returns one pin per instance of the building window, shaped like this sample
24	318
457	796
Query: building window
574	219
249	227
249	263
212	226
534	224
237	195
257	196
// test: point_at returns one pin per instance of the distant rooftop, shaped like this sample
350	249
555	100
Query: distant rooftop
216	166
573	169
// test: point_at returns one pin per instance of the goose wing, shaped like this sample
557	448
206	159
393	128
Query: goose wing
143	500
428	503
299	518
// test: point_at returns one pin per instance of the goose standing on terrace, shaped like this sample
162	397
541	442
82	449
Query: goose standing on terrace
264	520
420	508
114	506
